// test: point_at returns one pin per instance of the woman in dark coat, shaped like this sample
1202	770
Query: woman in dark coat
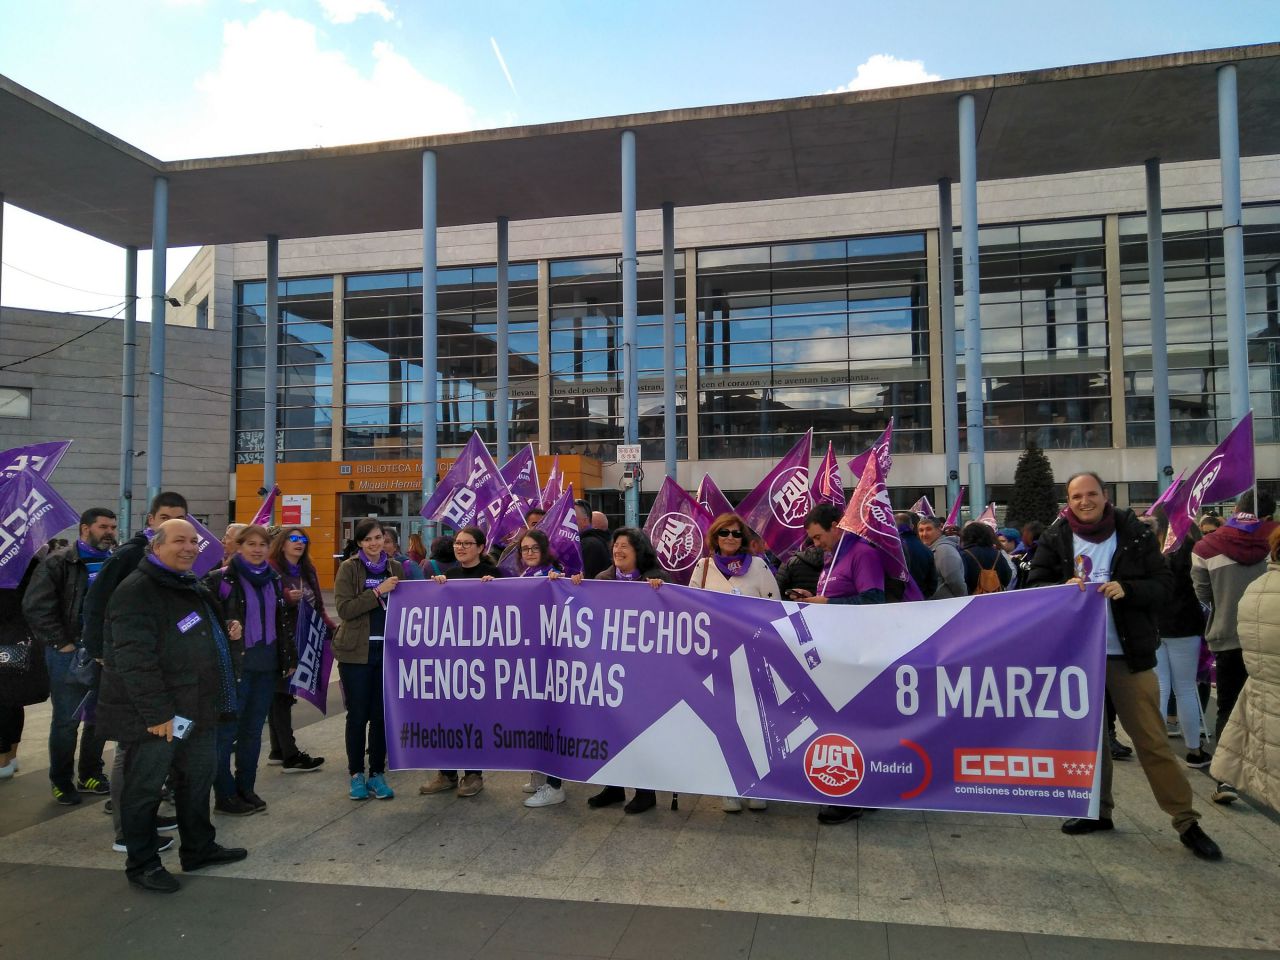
18	688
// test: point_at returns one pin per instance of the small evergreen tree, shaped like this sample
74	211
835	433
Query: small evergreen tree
1033	490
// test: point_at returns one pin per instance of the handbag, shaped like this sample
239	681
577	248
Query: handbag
15	657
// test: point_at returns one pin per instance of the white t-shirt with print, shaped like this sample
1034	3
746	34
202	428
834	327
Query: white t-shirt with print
1093	564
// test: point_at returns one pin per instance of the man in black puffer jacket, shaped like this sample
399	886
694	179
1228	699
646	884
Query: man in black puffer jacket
1091	542
167	660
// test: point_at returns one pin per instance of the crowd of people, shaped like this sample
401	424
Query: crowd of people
183	673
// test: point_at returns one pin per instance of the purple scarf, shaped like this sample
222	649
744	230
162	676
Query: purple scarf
619	575
259	601
735	566
378	568
182	574
1099	532
1241	521
541	571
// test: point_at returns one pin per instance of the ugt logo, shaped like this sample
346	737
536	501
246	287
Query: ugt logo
877	513
678	541
789	496
834	765
1203	481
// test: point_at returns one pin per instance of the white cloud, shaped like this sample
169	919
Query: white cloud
346	11
886	70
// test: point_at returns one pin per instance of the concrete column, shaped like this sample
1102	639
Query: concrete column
1	248
545	382
271	379
630	376
1233	242
669	335
947	305
503	393
1159	336
155	393
338	406
128	390
1115	330
429	326
692	400
975	421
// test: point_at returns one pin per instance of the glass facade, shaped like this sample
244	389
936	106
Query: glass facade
1045	374
831	335
1196	325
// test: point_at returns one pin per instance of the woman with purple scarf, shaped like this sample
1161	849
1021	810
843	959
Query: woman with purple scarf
250	594
729	567
360	593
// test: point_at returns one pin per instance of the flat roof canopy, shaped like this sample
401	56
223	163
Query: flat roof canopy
1038	123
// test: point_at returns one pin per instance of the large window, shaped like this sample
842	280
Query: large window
1196	325
1045	374
383	385
586	356
304	376
827	334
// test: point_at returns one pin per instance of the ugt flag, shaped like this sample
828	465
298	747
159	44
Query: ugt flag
776	508
40	457
31	512
923	508
711	498
471	493
988	516
880	450
315	658
1169	493
870	516
827	487
1225	473
677	525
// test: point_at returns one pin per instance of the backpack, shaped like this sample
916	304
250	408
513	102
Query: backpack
988	580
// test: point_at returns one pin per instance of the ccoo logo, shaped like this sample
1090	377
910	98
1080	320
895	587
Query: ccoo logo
834	765
678	541
789	497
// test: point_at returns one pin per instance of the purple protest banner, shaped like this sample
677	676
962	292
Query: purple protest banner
315	658
265	512
987	704
923	508
563	537
870	516
31	512
1169	493
521	476
40	457
881	451
1225	473
677	525
555	484
711	498
953	515
471	493
827	487
776	508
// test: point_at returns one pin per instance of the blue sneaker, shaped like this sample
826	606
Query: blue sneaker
379	787
359	789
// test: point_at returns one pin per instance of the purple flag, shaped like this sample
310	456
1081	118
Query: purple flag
677	525
1225	473
676	689
511	523
555	485
315	658
265	512
923	508
1169	493
31	512
870	516
827	487
988	516
521	475
40	457
776	508
881	450
210	557
712	500
471	493
561	527
953	516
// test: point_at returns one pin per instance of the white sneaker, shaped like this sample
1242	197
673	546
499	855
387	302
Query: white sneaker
546	796
165	844
754	804
9	769
731	805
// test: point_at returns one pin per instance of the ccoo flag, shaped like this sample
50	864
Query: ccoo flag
310	680
40	457
712	500
472	492
555	485
521	475
881	450
870	516
31	512
1225	473
827	487
677	525
776	508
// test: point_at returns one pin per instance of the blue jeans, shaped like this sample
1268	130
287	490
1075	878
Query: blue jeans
66	696
243	736
362	686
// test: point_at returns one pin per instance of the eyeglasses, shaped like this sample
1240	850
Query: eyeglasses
464	543
736	534
298	538
531	549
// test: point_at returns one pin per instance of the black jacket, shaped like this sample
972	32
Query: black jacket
228	591
55	598
802	571
122	563
1137	566
154	670
919	562
1182	616
597	552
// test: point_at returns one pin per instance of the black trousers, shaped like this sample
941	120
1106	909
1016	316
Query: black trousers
11	723
280	726
1231	677
147	764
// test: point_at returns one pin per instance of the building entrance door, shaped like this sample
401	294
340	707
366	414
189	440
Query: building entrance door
396	510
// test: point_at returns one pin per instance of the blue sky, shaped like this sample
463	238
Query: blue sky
182	78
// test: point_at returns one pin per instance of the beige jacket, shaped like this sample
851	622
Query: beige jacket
1248	755
355	602
756	582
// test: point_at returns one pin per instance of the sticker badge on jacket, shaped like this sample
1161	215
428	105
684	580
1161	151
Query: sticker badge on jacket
187	622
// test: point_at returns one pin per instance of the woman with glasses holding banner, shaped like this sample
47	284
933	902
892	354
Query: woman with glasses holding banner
360	593
730	567
291	559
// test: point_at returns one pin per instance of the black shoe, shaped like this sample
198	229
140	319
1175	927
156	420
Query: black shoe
65	794
834	814
606	798
234	807
274	759
99	785
157	880
1198	759
1078	825
302	763
255	801
1120	751
642	801
1198	842
217	856
165	824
